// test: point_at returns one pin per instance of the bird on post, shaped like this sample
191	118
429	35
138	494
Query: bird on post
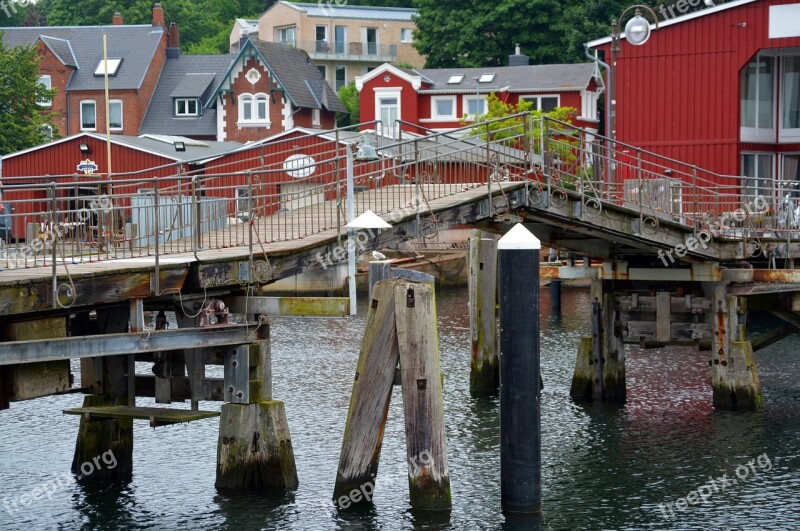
378	256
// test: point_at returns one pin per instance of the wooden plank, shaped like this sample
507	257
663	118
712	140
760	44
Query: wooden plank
647	330
484	370
662	316
423	401
369	401
156	415
291	306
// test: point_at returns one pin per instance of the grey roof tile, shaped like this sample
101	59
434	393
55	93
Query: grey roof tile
62	49
185	73
137	45
531	78
332	9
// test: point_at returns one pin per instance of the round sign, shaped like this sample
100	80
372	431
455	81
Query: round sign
299	166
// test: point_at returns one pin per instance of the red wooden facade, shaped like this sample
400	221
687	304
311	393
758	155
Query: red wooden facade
680	94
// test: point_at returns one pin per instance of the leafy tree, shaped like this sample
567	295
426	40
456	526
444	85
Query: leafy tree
21	121
349	96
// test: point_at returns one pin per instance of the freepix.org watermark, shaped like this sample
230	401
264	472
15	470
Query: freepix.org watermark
757	206
703	493
682	6
57	483
9	8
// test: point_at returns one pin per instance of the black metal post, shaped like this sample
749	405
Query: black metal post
520	409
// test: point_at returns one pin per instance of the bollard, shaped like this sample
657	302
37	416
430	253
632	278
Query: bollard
520	409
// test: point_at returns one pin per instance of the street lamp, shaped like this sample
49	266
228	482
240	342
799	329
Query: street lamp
637	32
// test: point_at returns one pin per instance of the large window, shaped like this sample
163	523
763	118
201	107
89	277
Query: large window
790	99
88	115
321	39
186	107
48	84
443	107
757	177
115	115
757	108
341	77
474	105
287	35
543	103
253	109
340	38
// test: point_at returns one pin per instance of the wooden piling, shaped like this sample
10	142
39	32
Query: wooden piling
98	437
369	401
423	402
379	270
484	369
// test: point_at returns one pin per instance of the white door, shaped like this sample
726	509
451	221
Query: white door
388	112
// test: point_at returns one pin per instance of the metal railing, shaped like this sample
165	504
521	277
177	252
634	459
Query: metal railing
324	49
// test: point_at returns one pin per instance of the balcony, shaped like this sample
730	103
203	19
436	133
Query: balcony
349	51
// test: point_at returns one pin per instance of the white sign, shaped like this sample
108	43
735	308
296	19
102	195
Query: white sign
299	166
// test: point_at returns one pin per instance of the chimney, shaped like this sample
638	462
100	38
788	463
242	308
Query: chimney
117	20
518	59
173	41
158	15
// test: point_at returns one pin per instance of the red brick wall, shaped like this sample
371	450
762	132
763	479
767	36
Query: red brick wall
59	76
251	132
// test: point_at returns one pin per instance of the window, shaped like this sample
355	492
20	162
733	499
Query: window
757	108
323	70
315	117
321	41
243	202
340	34
113	67
115	115
387	110
187	107
790	171
486	78
543	103
589	104
444	107
48	84
47	131
455	79
253	109
371	41
790	100
405	35
341	76
756	176
286	35
88	115
473	105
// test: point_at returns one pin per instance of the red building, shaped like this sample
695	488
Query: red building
718	88
441	99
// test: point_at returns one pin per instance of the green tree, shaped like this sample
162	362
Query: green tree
349	96
22	121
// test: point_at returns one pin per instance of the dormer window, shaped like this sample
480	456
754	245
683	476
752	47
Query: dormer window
486	78
455	79
113	67
187	107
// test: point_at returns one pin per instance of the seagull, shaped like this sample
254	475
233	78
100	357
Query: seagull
378	256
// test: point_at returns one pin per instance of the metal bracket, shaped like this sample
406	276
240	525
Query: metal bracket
216	308
237	375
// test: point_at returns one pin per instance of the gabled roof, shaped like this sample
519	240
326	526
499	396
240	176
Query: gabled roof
517	79
163	146
186	76
677	20
137	45
329	9
61	48
294	72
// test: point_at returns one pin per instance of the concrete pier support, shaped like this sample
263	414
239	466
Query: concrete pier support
254	449
600	364
484	375
734	378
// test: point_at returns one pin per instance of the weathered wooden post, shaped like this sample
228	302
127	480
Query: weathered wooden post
484	371
401	329
254	449
378	270
520	407
734	377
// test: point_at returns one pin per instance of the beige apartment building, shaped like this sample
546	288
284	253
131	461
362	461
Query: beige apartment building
343	41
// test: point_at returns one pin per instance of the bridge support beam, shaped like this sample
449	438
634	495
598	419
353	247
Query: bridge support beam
484	376
600	365
734	377
254	449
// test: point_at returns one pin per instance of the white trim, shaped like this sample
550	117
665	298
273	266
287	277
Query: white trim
221	116
121	115
185	114
254	120
49	85
443	117
678	20
415	81
316	117
465	107
93	102
383	93
115	139
288	119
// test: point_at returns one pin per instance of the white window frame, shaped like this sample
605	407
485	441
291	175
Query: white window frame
280	35
410	32
772	178
465	105
538	98
759	134
49	85
94	103
435	113
316	117
589	99
255	100
121	115
186	114
785	135
385	93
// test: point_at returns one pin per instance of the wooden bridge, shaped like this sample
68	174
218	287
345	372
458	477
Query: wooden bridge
676	255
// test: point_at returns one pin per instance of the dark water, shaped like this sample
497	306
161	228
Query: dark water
605	467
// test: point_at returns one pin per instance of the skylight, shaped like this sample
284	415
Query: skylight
455	79
486	78
113	67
